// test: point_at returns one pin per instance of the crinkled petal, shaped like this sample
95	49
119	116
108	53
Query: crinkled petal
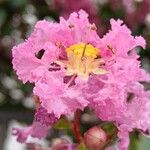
123	137
121	33
36	130
80	28
57	98
40	127
25	61
44	118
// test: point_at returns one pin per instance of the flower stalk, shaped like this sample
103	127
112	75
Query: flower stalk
76	128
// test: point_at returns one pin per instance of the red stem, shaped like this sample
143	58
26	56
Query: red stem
77	126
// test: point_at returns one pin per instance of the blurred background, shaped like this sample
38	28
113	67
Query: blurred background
17	19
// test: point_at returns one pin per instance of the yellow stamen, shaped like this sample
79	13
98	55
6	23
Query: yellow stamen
83	60
87	49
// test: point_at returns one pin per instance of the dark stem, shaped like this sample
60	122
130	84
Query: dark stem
77	126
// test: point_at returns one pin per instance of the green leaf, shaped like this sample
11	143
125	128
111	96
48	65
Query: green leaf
61	124
139	141
81	147
108	127
134	140
144	143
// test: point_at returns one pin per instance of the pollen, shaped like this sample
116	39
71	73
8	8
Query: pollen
81	49
83	60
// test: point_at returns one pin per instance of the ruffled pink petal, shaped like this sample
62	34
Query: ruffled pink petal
128	114
44	118
25	62
40	127
21	61
122	71
56	97
36	130
80	28
123	135
120	39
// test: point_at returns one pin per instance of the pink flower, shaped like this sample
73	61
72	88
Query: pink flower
72	68
58	41
56	97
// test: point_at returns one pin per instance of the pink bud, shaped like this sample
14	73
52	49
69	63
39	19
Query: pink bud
95	138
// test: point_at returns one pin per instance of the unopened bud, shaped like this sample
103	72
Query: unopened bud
95	138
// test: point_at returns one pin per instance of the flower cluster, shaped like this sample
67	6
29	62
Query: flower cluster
72	67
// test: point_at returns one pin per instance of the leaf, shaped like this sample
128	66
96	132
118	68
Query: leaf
144	143
81	147
134	140
108	127
61	124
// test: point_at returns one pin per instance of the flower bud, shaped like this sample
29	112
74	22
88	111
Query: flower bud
95	138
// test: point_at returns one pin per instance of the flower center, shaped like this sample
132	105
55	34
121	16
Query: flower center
83	50
83	60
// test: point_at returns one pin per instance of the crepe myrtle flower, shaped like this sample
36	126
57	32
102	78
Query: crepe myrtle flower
72	67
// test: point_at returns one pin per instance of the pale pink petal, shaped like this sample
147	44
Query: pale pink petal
56	97
120	39
39	128
36	130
